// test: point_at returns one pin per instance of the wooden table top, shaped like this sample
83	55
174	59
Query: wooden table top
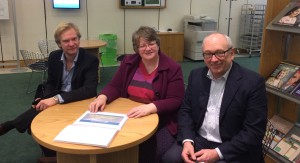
47	124
91	44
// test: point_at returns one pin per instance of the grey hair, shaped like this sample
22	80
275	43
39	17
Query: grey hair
229	41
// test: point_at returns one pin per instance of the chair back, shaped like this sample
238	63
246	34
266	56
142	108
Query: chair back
268	138
47	46
33	60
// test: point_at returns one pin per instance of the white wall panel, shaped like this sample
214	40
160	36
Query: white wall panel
134	18
55	16
30	23
104	16
172	15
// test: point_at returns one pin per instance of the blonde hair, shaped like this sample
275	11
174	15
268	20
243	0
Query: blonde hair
62	27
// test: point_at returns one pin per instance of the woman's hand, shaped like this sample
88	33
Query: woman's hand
142	110
98	104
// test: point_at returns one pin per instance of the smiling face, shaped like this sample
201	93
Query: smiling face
216	43
148	50
282	74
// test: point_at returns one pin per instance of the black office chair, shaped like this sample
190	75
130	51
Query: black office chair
36	62
268	138
121	57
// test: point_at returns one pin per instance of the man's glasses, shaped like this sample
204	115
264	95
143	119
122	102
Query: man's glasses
219	54
151	45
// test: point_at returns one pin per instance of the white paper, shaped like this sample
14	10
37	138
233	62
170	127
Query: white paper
95	129
86	135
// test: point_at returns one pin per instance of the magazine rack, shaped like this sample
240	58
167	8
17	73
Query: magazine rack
280	43
269	136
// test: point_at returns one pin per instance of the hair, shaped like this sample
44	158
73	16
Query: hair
284	70
148	33
293	10
229	42
62	27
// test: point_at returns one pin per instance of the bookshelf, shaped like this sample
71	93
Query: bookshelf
279	44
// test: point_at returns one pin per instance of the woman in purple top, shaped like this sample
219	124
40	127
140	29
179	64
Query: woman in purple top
152	78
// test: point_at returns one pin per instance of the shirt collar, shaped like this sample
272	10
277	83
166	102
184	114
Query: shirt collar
62	58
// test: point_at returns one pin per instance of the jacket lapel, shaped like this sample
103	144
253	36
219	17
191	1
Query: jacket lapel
80	56
231	87
204	90
59	72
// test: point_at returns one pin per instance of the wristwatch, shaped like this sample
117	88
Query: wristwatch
55	98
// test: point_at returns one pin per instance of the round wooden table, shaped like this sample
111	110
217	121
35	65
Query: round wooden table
92	46
124	146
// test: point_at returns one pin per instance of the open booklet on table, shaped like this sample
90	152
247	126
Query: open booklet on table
95	129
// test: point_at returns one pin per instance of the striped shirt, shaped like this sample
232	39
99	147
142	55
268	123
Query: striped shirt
140	88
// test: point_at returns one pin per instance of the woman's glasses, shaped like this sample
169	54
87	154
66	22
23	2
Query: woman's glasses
151	45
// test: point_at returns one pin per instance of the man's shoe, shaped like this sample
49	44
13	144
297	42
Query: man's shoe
2	130
47	160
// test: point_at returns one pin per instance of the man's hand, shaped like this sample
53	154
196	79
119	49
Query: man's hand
98	104
207	155
44	104
188	154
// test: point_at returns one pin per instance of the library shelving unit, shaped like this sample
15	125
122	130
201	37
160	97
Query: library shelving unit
279	43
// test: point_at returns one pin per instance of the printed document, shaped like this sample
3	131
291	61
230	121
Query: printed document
95	129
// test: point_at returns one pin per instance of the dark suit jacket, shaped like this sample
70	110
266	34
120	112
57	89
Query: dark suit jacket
243	113
84	80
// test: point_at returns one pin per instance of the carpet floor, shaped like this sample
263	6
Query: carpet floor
16	147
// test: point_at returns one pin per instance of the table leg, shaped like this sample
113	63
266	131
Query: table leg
129	155
71	158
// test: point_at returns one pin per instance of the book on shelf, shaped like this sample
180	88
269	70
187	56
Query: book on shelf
288	16
289	147
94	129
296	91
292	83
283	146
282	127
294	151
297	159
281	75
